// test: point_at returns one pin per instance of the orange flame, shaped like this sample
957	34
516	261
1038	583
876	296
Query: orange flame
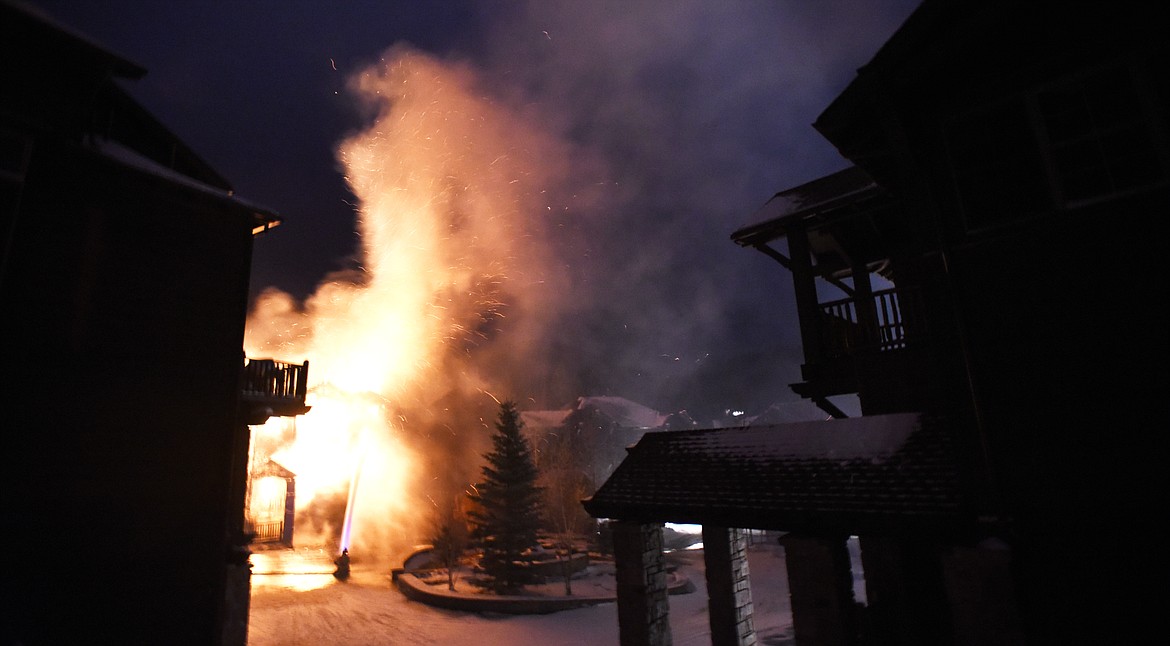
455	282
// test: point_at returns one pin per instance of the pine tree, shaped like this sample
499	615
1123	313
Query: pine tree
506	516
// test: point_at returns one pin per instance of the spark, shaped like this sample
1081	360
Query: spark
399	323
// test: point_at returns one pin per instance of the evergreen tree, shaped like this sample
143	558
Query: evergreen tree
506	515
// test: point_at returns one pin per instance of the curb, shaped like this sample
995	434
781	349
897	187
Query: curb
414	589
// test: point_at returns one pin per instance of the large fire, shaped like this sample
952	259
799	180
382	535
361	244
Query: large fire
453	290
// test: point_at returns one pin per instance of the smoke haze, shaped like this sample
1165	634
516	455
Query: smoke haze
699	112
552	221
541	195
453	302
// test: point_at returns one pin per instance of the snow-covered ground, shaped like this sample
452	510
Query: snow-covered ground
310	607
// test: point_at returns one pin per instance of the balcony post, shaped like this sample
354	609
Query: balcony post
302	386
866	310
804	285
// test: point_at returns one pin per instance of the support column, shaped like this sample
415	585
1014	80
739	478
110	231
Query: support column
729	593
290	512
905	592
805	289
981	593
643	609
867	319
237	576
820	583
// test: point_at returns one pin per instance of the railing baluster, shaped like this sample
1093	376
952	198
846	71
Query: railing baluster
268	379
900	325
839	323
889	333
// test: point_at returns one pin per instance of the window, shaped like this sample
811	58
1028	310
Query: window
997	164
1099	139
1080	139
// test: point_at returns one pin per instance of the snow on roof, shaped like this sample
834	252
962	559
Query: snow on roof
541	419
623	411
874	438
801	410
819	195
866	472
122	154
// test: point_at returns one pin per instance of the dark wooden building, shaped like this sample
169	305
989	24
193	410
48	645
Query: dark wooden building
124	268
989	264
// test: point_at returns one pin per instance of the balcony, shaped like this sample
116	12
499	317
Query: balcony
843	232
273	388
863	345
890	320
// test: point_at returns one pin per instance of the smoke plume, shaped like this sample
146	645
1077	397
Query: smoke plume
450	309
553	221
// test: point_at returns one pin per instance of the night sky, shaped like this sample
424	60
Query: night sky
693	113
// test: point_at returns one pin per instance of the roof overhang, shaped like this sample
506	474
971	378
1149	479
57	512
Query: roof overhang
875	474
843	215
65	43
262	217
805	205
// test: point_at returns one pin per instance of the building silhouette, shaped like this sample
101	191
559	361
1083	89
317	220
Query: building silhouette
124	267
983	276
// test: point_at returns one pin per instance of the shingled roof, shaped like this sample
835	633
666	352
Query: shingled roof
858	475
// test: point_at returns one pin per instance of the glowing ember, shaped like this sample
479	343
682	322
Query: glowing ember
451	190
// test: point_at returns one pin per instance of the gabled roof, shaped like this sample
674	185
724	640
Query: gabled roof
263	218
544	419
816	198
947	48
274	469
873	474
65	42
63	85
624	413
619	410
850	220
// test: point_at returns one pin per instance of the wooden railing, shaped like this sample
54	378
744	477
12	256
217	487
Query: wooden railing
265	532
269	379
887	322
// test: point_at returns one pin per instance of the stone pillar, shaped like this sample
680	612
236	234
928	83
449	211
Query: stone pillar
643	609
906	601
729	593
981	593
820	584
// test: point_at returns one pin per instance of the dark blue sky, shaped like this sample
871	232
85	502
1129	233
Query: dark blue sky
700	109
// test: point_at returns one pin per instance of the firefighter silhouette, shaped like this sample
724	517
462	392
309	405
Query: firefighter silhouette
342	562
